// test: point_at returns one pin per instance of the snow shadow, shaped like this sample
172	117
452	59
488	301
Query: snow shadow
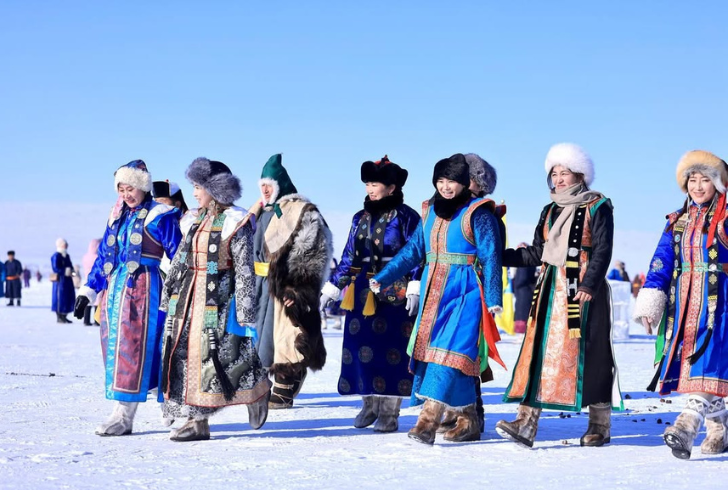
305	428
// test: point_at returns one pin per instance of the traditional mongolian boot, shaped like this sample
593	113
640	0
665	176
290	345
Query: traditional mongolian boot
285	389
65	319
449	420
600	422
193	430
681	435
427	423
716	421
59	319
523	430
258	411
369	412
388	420
10	303
467	427
121	420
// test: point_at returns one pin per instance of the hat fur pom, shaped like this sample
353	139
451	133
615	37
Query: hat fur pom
703	162
572	157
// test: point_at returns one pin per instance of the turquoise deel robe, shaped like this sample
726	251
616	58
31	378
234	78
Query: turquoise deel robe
462	278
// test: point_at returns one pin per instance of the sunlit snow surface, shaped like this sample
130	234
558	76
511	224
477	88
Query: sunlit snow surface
51	394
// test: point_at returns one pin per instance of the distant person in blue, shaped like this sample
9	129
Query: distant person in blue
64	294
377	328
126	276
2	279
13	273
618	273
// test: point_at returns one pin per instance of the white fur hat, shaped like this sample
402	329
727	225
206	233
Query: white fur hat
572	157
135	174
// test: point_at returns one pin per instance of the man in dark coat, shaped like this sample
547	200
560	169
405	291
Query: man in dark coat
13	273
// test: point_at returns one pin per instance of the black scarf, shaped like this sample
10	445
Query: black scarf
446	208
385	204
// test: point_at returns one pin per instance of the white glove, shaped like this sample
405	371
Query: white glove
413	304
495	310
374	286
325	301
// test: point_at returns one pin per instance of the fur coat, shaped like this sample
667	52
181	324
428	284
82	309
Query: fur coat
296	249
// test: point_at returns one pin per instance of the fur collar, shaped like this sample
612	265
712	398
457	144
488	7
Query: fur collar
386	204
234	217
446	208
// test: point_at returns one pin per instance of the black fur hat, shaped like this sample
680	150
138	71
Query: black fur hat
454	168
384	171
216	178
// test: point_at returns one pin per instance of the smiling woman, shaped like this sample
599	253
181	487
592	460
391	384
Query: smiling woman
126	276
687	275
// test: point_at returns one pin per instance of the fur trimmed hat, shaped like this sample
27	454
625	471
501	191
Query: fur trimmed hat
384	171
482	173
275	174
216	178
135	174
705	163
454	168
572	157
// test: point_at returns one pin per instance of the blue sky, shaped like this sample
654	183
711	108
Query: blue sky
89	86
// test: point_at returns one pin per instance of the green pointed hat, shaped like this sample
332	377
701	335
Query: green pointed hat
274	173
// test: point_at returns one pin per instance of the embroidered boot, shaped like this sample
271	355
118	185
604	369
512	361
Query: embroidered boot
285	389
598	433
426	427
369	412
681	435
716	421
121	420
523	430
467	427
258	411
388	419
193	430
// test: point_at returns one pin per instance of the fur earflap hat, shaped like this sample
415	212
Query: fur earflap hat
572	157
454	168
482	173
705	163
135	174
275	175
384	171
216	178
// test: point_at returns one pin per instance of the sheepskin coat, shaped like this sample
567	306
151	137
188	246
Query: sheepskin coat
296	249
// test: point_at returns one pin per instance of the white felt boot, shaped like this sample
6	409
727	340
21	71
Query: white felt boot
121	420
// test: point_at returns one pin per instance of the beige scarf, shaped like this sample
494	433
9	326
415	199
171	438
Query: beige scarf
556	247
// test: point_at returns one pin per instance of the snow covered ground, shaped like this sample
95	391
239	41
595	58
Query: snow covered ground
51	395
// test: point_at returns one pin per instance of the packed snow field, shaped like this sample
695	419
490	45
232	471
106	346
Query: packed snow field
51	393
